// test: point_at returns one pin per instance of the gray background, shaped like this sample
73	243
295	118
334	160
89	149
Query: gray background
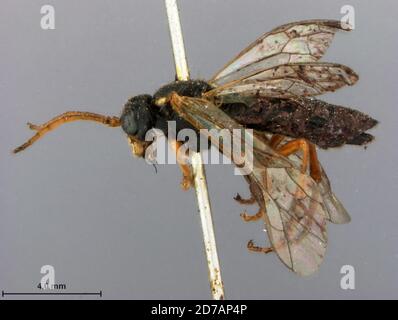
78	200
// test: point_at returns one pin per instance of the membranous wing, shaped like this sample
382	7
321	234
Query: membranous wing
204	115
298	42
295	216
288	81
336	213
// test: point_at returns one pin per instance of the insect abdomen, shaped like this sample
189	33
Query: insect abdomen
323	124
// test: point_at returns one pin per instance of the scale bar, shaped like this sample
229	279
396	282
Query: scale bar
3	294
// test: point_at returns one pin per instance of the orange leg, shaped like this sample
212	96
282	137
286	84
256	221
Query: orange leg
64	118
187	178
315	168
295	146
310	157
276	140
252	218
252	247
242	201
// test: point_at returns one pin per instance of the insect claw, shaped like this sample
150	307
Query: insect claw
251	218
242	201
244	215
186	183
33	126
253	248
238	197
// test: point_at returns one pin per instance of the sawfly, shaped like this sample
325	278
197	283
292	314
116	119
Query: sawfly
269	88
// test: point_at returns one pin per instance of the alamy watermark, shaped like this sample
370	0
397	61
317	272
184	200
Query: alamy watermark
47	281
47	21
236	146
347	282
348	19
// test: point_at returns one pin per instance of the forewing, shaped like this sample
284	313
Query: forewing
205	116
295	217
288	81
305	41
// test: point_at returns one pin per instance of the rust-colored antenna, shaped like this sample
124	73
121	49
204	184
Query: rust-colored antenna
66	117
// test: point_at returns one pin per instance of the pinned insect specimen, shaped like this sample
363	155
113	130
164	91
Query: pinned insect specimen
270	88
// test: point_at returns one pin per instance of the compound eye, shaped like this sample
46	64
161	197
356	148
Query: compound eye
137	117
128	122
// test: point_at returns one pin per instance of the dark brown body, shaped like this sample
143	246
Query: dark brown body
324	124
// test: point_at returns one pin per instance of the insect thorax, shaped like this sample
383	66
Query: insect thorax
144	112
190	88
165	113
